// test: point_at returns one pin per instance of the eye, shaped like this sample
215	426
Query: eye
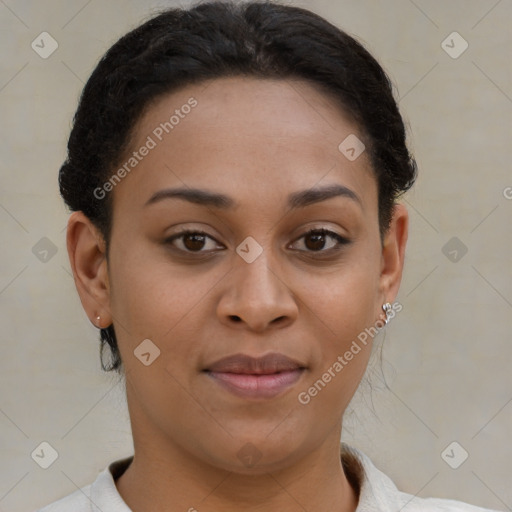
192	241
315	240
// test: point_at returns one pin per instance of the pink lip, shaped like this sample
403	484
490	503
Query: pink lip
257	386
256	377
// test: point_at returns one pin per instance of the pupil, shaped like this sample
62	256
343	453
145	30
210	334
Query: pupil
318	241
197	241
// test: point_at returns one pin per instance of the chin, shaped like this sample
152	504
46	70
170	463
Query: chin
256	455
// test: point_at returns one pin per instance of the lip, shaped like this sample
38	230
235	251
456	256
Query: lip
256	377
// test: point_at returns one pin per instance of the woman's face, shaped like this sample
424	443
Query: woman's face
254	282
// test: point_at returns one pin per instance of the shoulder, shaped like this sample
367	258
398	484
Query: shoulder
378	493
100	496
414	504
78	501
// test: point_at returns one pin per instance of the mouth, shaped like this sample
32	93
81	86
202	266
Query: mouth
250	377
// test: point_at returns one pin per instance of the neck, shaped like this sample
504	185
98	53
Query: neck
173	481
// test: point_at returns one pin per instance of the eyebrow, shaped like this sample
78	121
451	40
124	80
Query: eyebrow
213	199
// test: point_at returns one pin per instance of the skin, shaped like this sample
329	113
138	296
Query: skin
306	301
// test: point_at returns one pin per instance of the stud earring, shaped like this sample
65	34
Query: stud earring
387	309
98	318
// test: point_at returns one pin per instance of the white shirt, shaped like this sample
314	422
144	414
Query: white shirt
378	494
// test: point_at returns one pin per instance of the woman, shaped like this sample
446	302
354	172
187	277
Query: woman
234	172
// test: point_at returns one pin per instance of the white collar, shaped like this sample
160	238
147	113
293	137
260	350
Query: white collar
377	493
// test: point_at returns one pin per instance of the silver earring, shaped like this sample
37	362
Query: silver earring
98	319
387	309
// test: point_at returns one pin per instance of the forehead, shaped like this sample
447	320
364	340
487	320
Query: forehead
247	137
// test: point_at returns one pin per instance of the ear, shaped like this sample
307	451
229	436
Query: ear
393	253
86	251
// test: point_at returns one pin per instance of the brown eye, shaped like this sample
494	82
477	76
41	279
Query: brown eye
192	241
316	240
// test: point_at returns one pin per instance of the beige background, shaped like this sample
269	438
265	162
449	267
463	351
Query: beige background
446	356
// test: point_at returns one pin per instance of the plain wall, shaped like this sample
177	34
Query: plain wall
445	371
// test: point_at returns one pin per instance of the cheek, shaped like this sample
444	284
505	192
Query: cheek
344	301
164	306
152	299
341	354
344	315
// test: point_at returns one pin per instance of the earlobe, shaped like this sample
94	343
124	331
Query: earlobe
87	257
393	253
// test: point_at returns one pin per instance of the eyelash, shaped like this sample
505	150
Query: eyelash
321	231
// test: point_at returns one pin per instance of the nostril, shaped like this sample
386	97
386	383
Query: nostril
235	318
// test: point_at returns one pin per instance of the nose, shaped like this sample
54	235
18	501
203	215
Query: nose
256	297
